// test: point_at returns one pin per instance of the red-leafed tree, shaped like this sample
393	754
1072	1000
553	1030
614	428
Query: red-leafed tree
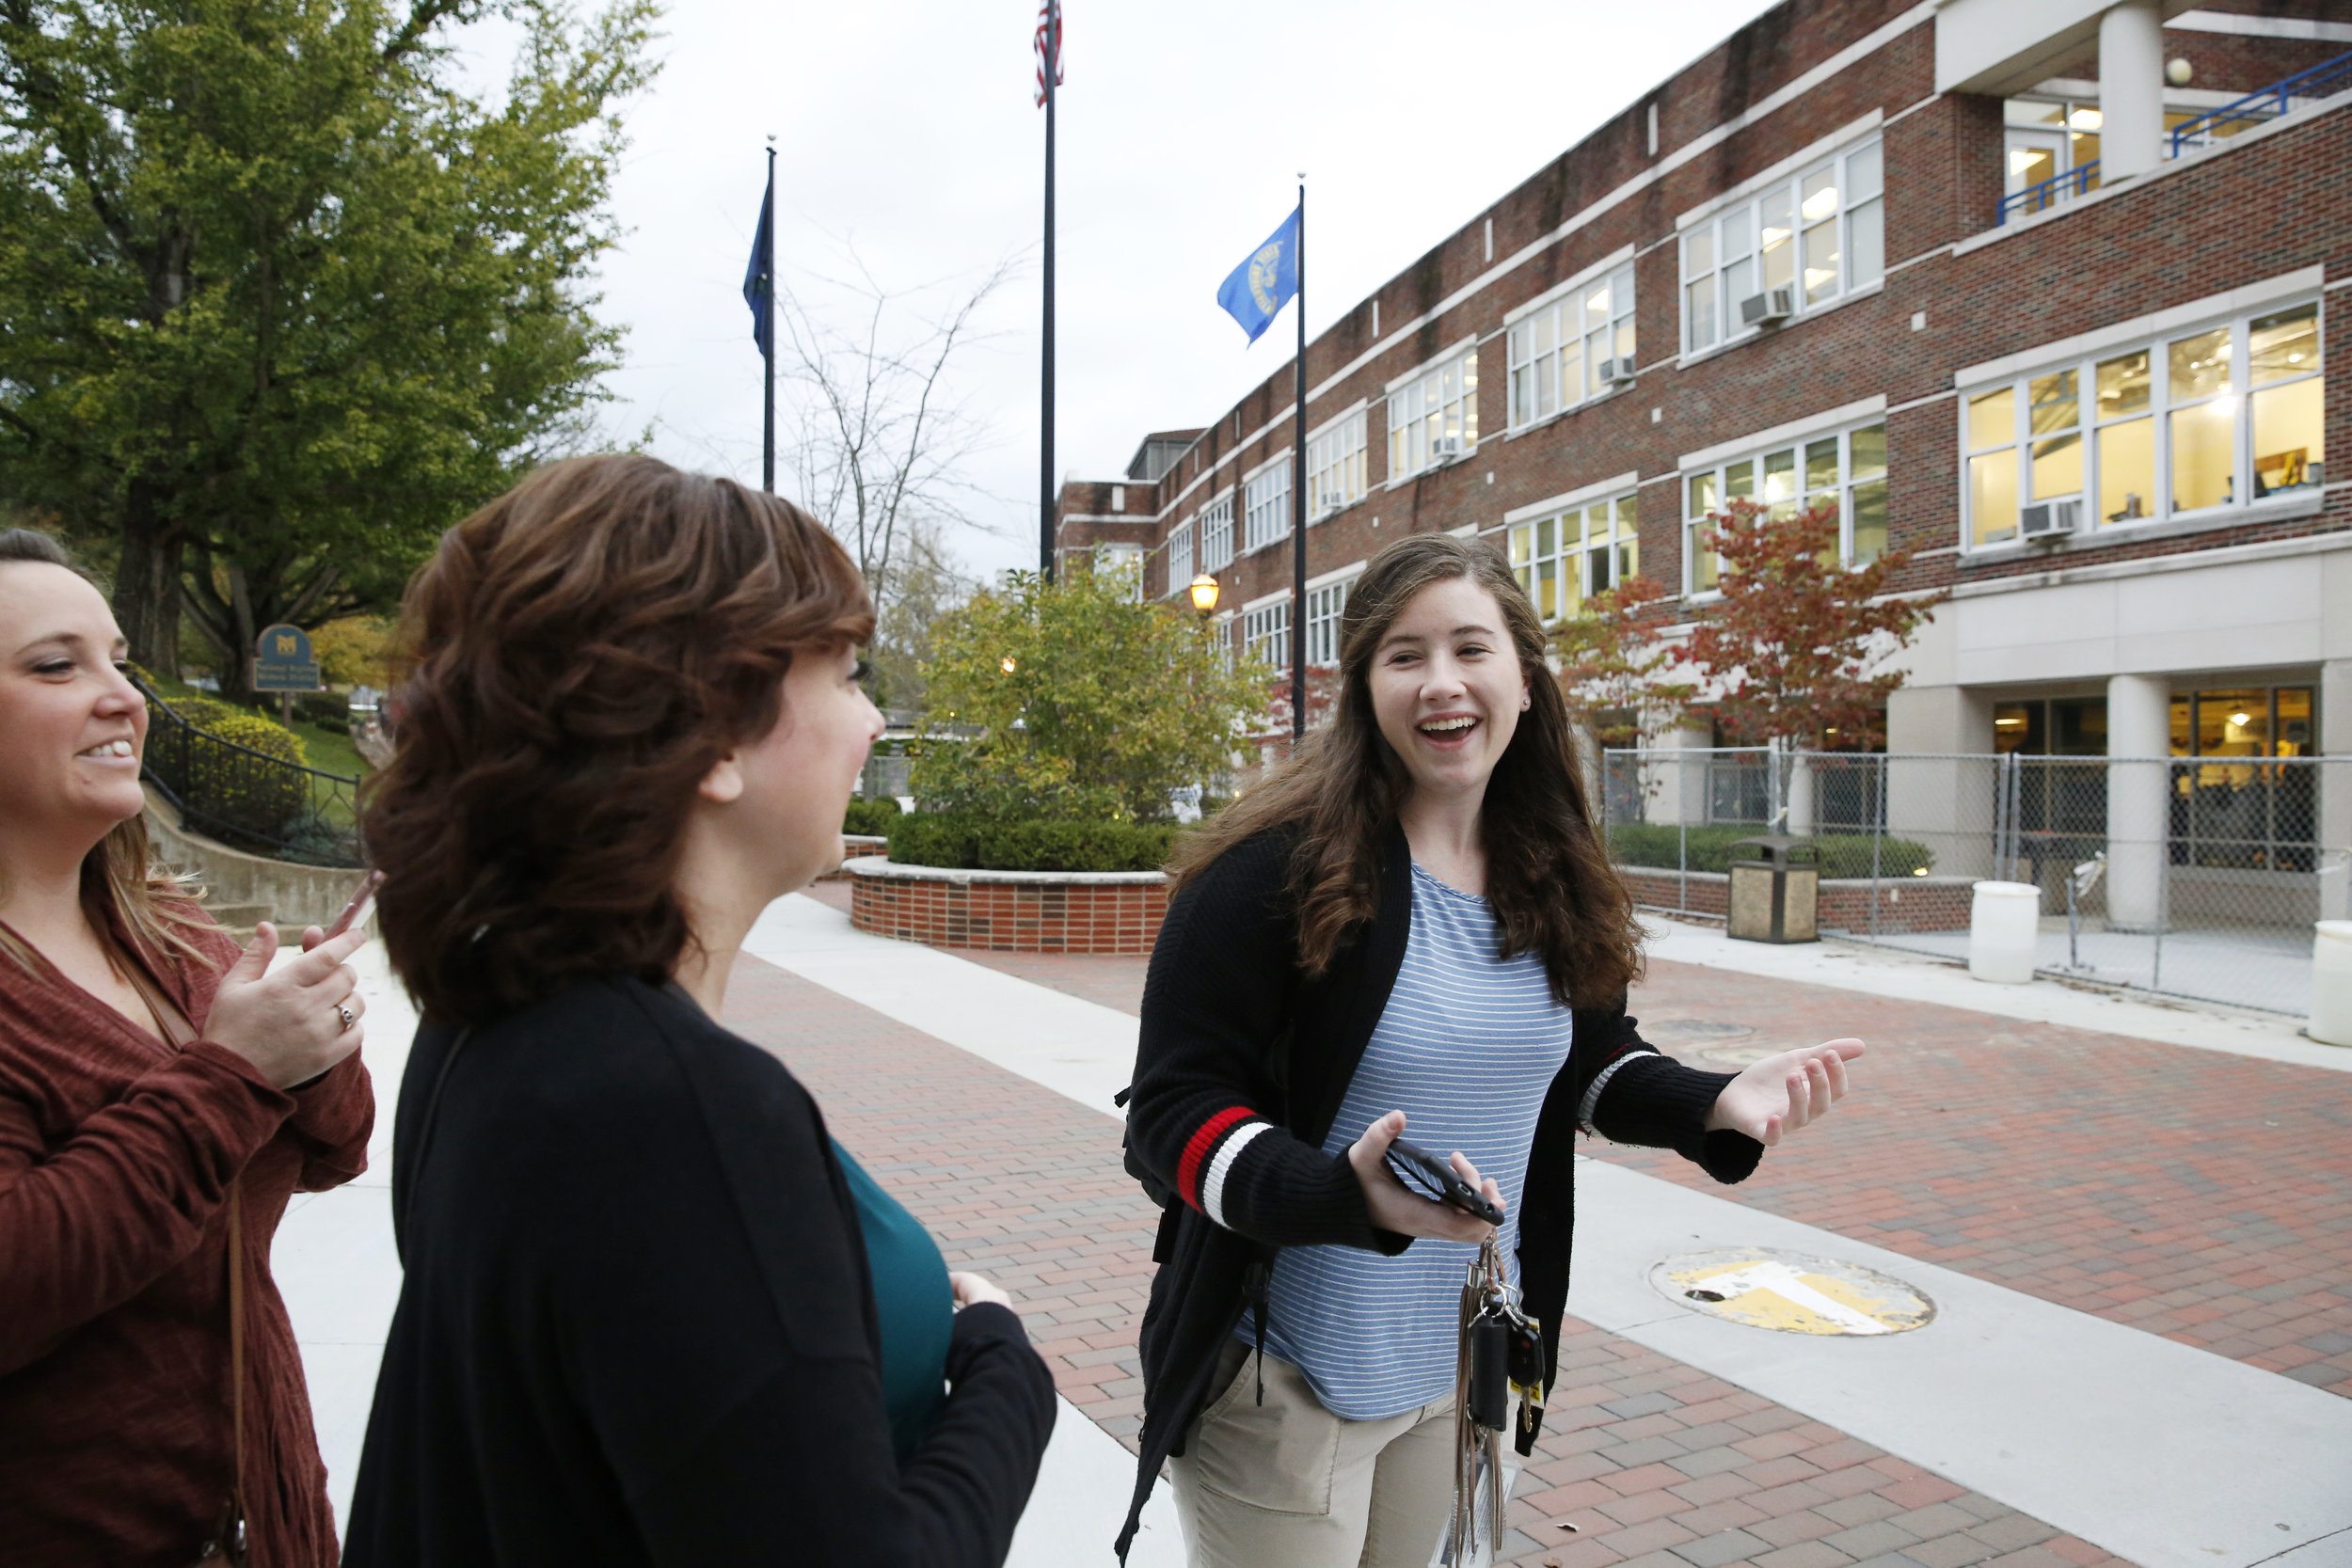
1612	662
1798	647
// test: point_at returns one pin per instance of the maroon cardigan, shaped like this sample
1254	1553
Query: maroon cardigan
117	1154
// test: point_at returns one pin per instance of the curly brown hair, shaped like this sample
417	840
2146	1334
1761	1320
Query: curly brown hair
585	649
1554	890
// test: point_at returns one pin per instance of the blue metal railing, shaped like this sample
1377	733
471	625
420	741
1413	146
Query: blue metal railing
2323	79
2046	193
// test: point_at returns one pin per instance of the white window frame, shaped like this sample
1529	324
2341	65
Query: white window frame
1853	471
1267	506
2163	403
1724	255
1336	466
1180	573
1217	533
1326	603
1556	350
1113	556
1438	401
1266	630
1542	555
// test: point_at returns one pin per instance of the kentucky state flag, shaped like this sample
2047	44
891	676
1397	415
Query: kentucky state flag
1262	285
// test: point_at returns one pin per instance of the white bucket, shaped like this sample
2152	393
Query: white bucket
2004	919
2331	982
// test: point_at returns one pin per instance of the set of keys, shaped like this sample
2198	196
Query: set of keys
1501	1353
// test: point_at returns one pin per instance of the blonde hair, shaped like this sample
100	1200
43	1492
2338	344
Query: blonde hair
123	885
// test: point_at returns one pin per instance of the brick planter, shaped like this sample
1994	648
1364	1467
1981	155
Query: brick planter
855	847
1015	912
1905	904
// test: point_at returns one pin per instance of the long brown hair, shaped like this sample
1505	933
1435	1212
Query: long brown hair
125	889
586	647
1549	876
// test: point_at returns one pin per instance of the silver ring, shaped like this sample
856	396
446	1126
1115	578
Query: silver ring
346	1015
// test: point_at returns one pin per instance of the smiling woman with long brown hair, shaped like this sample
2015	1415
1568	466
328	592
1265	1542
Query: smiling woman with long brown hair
651	1312
162	1095
1412	924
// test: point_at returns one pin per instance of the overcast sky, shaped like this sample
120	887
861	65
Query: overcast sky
907	128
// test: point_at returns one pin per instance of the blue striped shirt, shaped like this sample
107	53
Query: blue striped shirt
1467	1048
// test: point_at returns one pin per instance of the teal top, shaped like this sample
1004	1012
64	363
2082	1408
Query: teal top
913	1304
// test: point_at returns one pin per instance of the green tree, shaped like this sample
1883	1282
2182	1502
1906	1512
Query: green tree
279	300
1801	645
1087	702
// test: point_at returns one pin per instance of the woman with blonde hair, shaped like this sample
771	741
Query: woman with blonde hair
1412	926
162	1095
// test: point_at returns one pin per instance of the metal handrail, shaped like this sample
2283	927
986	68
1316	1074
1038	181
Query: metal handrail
306	832
2045	193
2323	79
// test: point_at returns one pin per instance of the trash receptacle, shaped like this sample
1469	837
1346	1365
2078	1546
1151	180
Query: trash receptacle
1775	890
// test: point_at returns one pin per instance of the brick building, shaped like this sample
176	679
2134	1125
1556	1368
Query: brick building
1990	272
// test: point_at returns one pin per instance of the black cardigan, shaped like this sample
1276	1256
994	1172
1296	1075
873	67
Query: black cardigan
636	1327
1242	1064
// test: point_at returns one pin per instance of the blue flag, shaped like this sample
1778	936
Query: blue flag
1261	286
759	279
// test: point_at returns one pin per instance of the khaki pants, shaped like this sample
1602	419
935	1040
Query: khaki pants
1288	1483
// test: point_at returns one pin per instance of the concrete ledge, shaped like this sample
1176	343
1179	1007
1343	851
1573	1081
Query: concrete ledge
1904	903
1009	911
295	895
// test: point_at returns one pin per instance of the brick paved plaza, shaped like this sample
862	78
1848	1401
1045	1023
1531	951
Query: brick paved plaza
2185	1192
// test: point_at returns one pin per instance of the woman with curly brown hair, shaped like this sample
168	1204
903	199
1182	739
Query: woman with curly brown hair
1412	926
162	1096
651	1313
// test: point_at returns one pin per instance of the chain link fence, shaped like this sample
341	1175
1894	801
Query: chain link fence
2195	877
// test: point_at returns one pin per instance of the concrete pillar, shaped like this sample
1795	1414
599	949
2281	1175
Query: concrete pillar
1939	776
2335	790
1800	809
2140	726
2131	89
1673	787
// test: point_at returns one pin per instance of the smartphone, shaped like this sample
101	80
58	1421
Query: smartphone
356	910
1425	1173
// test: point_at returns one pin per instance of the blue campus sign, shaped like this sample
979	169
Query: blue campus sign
282	662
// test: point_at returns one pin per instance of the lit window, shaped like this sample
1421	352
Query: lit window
1266	633
2182	425
1217	533
1433	418
1563	353
1566	557
1845	470
1818	234
1335	467
1267	507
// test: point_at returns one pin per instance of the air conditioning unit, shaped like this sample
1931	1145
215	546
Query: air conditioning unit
2048	519
1769	309
1617	372
1445	449
1331	501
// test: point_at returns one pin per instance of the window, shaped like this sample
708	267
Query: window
1180	571
1819	234
1217	533
1267	515
1325	606
2046	138
1433	418
1127	558
1564	558
1845	469
2236	801
1266	633
1119	498
1559	353
2177	426
1335	467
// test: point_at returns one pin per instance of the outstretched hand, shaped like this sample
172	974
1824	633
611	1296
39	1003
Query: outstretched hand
1780	1094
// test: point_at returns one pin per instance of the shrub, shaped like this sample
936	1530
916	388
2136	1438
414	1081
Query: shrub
247	791
871	817
203	713
1655	844
971	841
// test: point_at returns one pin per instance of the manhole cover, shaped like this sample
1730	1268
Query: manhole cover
1682	1031
1792	1292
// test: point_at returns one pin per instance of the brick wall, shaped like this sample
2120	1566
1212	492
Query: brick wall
1918	904
1033	914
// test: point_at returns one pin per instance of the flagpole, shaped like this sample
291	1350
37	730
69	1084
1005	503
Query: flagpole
768	409
1298	491
1045	438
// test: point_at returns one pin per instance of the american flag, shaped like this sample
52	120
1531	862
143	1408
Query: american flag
1049	37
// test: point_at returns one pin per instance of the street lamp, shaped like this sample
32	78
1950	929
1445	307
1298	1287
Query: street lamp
1205	594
